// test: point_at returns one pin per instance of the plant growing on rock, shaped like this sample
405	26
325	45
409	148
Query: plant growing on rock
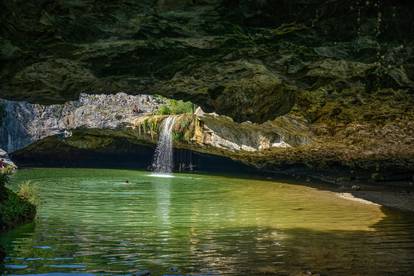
14	208
174	107
28	191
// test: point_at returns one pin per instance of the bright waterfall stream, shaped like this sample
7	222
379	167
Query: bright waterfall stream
163	157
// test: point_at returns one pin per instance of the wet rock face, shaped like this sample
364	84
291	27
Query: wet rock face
246	59
207	133
95	121
24	123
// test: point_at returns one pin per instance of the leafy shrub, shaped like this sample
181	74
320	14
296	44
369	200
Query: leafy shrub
4	177
5	172
172	107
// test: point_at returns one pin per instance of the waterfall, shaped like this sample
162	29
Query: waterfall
10	146
163	157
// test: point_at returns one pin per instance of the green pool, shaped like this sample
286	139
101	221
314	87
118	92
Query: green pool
92	221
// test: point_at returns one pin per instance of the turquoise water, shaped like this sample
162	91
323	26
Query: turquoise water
92	221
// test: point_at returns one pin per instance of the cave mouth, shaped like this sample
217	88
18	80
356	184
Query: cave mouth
122	154
311	89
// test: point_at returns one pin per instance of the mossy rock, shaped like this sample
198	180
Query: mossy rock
245	59
243	90
14	210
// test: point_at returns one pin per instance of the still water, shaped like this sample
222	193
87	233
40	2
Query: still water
93	221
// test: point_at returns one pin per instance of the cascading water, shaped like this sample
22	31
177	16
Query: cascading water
163	157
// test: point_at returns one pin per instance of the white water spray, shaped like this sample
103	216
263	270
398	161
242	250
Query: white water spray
163	157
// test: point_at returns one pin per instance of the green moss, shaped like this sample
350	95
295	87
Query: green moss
353	105
288	28
173	107
154	126
86	141
178	136
15	208
184	128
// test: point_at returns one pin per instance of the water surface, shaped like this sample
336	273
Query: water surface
92	221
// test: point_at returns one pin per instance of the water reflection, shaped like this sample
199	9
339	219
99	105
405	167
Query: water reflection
163	195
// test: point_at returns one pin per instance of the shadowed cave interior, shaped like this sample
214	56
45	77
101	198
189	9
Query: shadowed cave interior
123	154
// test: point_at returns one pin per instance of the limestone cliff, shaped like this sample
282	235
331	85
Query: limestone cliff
94	121
24	123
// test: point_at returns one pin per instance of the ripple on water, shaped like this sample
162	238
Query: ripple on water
92	222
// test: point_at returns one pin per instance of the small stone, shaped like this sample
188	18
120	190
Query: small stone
356	187
376	177
174	269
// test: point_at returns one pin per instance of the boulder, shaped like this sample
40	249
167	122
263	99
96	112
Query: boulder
5	160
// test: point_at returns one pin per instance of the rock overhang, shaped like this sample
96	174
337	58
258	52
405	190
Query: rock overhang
245	59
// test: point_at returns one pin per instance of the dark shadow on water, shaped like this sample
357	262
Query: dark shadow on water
121	154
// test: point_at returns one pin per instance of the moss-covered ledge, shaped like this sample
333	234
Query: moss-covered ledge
15	208
339	150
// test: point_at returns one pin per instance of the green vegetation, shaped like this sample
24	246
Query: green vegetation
15	208
28	191
184	128
172	107
150	126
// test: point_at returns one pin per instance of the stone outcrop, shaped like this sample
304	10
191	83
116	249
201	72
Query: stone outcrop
24	123
221	135
96	121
